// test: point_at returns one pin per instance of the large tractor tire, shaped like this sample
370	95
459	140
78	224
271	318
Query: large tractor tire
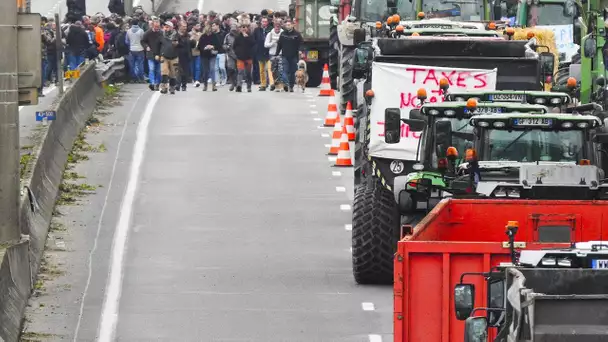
360	129
376	228
347	83
334	56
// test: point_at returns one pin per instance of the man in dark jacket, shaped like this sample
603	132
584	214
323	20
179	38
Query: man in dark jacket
184	52
78	43
262	53
243	48
289	44
151	43
169	60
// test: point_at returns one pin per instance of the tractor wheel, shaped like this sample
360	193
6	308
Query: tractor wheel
375	233
347	83
360	157
334	56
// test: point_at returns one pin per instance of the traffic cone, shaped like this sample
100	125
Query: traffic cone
325	83
349	122
332	111
335	139
344	158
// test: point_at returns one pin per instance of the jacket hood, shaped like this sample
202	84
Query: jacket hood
135	28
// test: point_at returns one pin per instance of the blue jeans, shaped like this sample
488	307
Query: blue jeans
153	71
137	64
75	60
208	64
51	68
222	75
195	68
290	66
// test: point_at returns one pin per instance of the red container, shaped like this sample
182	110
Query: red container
469	236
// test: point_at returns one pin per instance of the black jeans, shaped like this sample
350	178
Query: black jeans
290	66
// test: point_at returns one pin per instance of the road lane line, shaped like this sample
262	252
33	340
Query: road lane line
313	106
375	338
340	189
348	227
327	145
314	112
345	207
317	119
109	314
101	216
324	135
367	306
336	173
332	158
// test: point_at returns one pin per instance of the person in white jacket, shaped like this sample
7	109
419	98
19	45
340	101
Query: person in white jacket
271	42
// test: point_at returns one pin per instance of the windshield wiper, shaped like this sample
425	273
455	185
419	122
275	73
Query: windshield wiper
512	143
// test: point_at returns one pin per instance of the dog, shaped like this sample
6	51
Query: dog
302	75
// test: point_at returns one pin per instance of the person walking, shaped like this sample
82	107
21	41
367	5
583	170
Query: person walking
275	75
77	41
195	63
289	45
262	52
151	42
243	48
208	45
169	59
220	65
231	70
184	52
137	55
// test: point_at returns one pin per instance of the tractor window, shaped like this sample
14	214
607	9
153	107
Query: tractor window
548	14
462	134
457	10
534	145
373	10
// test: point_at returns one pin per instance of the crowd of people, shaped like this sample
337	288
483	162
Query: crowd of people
171	51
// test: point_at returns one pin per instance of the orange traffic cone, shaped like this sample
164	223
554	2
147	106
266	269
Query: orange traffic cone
344	158
349	122
335	139
332	111
325	83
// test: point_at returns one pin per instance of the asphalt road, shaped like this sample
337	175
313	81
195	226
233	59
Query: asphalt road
218	217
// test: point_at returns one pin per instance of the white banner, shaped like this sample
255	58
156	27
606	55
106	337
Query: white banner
564	38
396	85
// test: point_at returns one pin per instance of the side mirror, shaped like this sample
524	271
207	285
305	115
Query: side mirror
601	138
416	115
415	125
547	63
359	36
392	125
443	136
464	300
590	48
476	329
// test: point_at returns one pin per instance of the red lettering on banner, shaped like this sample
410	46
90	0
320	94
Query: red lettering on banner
449	77
431	76
482	79
405	131
462	77
414	70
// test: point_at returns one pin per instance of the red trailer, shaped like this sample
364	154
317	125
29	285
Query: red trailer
468	235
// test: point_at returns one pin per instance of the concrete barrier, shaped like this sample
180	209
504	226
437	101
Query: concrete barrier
20	262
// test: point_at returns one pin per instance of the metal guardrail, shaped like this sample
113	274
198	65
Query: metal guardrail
106	68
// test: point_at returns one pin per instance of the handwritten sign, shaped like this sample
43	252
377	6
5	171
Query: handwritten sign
396	86
564	38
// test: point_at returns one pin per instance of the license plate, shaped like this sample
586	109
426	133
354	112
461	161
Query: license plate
434	26
600	264
486	110
507	97
312	56
523	122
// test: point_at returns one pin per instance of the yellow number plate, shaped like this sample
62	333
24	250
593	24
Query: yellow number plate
312	56
72	74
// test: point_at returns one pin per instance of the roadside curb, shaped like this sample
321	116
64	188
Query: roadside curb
20	262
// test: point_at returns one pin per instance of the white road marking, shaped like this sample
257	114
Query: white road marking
336	173
313	106
317	119
45	91
367	306
109	314
327	145
311	100
351	249
375	338
325	135
345	207
332	158
314	112
348	227
340	189
101	216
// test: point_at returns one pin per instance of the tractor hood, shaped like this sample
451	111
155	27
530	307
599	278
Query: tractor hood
453	46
